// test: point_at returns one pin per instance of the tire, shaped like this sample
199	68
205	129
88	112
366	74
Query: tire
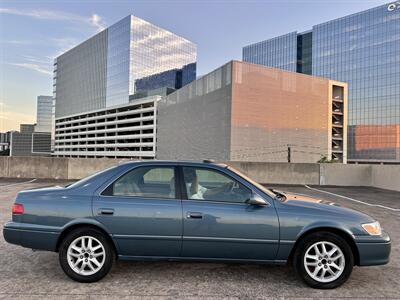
320	271
93	250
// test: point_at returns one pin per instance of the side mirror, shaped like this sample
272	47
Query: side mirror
256	200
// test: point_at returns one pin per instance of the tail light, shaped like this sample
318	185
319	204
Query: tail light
17	209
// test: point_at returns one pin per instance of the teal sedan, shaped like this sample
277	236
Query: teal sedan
192	211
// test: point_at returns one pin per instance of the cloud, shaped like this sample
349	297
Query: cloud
44	64
34	59
63	43
94	20
17	42
33	66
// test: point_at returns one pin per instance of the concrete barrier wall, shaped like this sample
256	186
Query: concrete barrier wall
52	167
4	166
386	177
34	167
381	176
345	175
275	173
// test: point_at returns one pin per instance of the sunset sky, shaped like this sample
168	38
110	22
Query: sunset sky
33	33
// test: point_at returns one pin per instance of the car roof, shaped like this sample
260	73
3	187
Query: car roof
176	162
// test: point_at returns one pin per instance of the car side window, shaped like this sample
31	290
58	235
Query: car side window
147	182
211	185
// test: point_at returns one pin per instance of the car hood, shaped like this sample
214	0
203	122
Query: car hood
303	198
323	206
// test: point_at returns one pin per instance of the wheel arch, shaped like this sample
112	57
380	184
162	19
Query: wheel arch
87	224
338	231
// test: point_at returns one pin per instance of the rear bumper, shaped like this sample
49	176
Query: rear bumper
374	251
16	234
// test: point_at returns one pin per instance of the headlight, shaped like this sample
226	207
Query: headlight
373	228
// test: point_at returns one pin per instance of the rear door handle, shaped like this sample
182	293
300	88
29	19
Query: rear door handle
194	215
105	211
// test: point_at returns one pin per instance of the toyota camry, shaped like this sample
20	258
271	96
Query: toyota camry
192	211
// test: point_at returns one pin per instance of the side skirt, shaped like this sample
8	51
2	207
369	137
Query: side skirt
201	259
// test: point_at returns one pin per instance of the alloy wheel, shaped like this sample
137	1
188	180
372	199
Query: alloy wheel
86	255
324	262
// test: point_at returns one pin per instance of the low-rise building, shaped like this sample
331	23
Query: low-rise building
27	142
5	142
247	112
35	139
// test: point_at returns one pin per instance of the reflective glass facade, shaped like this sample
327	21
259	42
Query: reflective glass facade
159	58
363	50
175	79
118	58
279	52
304	53
131	57
79	82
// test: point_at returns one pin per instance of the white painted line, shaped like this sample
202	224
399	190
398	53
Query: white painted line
351	199
17	183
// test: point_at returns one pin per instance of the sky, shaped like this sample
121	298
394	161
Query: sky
33	33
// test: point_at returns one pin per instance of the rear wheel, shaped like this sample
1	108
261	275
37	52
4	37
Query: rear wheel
86	255
323	260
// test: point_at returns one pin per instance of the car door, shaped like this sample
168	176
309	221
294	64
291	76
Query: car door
142	211
218	223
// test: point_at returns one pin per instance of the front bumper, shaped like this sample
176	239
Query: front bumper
16	233
373	250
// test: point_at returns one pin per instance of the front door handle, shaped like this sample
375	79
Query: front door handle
105	211
194	215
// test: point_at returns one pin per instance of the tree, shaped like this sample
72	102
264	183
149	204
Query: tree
324	159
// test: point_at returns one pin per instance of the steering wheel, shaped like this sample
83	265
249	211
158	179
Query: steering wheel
229	187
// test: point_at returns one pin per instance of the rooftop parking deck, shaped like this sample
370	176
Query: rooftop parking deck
37	275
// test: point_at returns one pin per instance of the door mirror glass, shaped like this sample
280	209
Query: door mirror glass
256	199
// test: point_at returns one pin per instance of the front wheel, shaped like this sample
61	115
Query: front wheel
86	255
323	260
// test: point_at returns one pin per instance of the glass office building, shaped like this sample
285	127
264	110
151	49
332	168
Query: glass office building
363	50
131	57
279	52
44	114
107	88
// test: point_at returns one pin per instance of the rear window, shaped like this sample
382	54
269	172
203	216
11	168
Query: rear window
86	179
145	182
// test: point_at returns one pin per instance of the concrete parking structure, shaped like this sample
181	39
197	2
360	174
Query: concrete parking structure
37	275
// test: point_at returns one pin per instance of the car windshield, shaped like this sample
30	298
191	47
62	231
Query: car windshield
269	192
83	180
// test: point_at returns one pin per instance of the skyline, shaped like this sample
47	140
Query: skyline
27	55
